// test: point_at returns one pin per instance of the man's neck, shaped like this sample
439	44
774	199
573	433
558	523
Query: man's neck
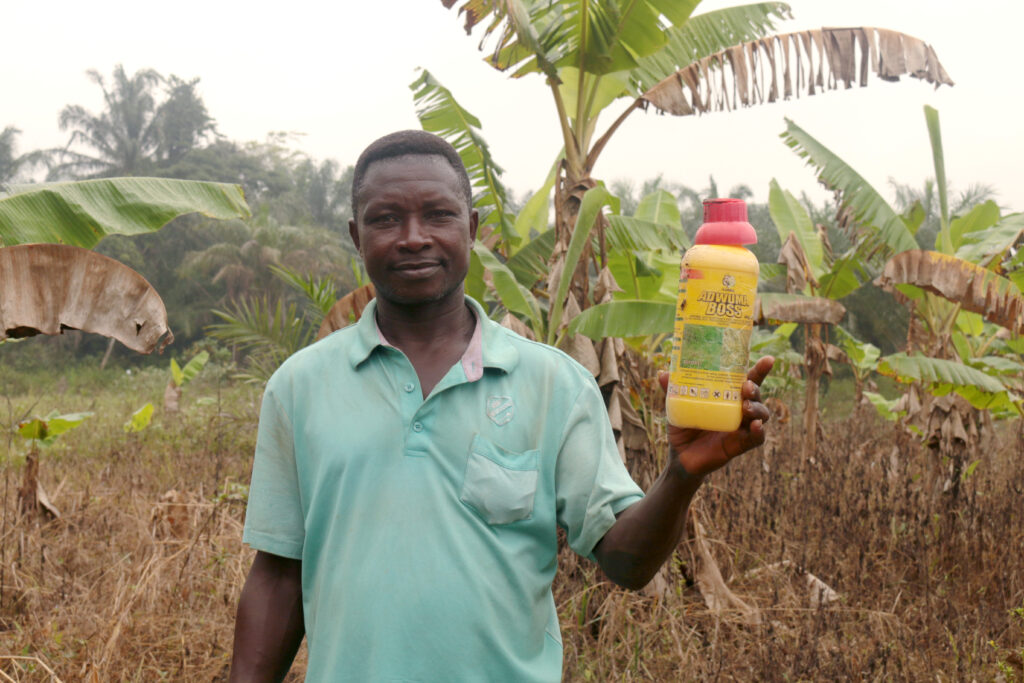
433	337
425	324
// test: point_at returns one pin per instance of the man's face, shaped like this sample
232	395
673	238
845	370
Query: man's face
414	229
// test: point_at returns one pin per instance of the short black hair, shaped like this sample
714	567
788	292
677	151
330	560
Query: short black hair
404	143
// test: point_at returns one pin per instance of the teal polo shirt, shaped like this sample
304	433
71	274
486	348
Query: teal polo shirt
427	527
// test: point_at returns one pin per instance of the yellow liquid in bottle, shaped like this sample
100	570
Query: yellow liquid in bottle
710	348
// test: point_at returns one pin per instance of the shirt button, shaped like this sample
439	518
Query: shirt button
417	426
409	386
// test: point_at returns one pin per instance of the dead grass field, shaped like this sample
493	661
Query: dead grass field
138	578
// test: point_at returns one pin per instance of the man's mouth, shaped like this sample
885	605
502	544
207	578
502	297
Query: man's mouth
416	268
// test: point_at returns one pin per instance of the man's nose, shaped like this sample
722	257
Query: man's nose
415	234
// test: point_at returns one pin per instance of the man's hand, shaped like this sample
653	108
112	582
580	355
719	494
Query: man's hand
646	533
700	452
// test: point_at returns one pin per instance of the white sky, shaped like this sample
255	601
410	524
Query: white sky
338	73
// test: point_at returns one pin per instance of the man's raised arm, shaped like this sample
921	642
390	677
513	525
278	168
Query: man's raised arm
645	534
269	626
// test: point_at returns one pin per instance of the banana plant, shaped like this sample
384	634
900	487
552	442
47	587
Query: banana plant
42	432
974	266
593	54
973	273
180	376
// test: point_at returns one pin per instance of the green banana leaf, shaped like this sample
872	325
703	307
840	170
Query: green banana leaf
627	233
439	112
84	212
44	431
987	244
530	262
513	295
590	207
981	217
943	242
937	371
790	216
626	318
139	420
868	207
705	34
596	36
533	217
846	276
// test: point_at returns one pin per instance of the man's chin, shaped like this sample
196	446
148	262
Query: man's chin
407	298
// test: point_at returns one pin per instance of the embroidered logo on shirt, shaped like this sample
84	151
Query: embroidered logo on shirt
500	409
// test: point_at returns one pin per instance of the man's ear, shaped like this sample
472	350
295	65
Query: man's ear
353	232
474	220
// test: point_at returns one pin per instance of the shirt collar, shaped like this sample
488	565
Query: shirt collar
489	347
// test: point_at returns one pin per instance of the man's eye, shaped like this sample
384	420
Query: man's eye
384	219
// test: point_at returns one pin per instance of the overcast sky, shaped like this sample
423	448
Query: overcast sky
338	73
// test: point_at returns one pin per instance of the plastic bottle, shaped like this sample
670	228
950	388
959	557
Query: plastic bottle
714	317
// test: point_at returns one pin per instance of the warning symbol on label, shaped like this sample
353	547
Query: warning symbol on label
704	393
693	391
717	394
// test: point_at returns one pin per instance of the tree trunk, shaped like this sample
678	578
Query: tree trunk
106	356
814	360
28	498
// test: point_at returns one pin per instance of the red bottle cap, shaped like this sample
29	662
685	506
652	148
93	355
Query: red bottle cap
725	222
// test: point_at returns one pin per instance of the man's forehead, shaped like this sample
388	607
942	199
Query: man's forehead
407	161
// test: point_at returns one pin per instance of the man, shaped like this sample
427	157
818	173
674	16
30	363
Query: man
412	469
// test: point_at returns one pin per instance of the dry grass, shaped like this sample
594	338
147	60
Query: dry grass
139	577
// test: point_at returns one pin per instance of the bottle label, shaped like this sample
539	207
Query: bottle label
714	316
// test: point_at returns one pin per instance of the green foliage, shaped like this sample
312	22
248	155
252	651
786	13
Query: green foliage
268	331
43	431
182	376
886	408
705	34
624	318
439	113
886	229
140	419
593	201
82	213
790	217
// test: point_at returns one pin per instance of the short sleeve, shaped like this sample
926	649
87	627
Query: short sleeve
592	485
274	521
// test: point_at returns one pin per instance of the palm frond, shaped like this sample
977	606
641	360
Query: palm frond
269	332
320	293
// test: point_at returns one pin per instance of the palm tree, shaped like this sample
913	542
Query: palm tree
134	133
11	164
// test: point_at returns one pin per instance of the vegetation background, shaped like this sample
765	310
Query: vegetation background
887	549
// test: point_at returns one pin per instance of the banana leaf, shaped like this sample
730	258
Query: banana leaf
84	212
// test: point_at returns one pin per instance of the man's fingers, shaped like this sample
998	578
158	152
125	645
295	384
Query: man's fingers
744	439
761	369
755	410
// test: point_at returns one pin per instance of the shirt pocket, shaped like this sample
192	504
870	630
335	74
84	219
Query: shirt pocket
499	485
